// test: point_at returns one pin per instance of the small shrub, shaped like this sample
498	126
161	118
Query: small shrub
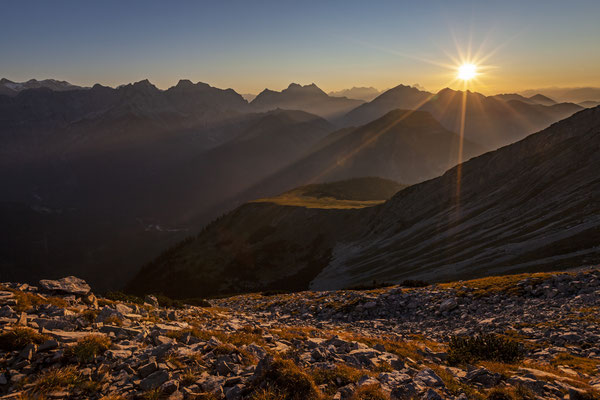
499	394
268	293
286	379
383	367
154	394
266	394
26	301
414	283
188	377
340	375
370	286
90	347
59	378
19	338
90	315
167	302
124	297
489	347
369	392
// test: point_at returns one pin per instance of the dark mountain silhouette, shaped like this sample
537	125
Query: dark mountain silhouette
543	100
401	97
489	121
108	176
307	98
529	206
574	95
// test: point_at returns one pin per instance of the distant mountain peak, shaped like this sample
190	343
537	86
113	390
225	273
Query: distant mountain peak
312	88
184	83
144	82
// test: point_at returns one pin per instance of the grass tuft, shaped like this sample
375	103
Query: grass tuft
370	392
488	347
19	338
284	378
88	348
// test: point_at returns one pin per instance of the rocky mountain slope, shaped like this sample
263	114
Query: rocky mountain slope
530	206
533	205
489	121
512	337
307	98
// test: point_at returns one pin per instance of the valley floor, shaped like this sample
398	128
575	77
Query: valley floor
512	337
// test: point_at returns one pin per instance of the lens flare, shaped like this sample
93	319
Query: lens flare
467	72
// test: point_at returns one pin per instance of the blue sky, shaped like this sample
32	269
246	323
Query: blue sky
250	45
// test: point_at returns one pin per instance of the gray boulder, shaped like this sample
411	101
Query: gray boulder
70	284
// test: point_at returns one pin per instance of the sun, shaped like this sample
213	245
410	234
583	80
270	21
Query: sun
467	72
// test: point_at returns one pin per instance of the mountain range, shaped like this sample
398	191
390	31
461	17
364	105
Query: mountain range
112	176
307	98
491	122
358	93
10	88
529	206
574	94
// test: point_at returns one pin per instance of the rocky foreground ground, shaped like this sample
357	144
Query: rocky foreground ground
512	337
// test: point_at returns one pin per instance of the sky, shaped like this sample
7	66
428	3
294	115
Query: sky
250	45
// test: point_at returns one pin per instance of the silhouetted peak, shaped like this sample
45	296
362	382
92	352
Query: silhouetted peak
296	88
184	83
542	99
4	80
447	91
145	83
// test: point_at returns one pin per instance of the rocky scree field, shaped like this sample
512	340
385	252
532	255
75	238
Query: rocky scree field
527	336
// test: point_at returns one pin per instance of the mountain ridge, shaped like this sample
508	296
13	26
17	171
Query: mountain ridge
496	223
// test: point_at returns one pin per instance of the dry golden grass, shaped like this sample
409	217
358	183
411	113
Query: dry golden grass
285	378
453	385
88	348
336	377
322	203
26	301
300	332
579	364
370	392
413	349
496	284
18	338
65	378
241	337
